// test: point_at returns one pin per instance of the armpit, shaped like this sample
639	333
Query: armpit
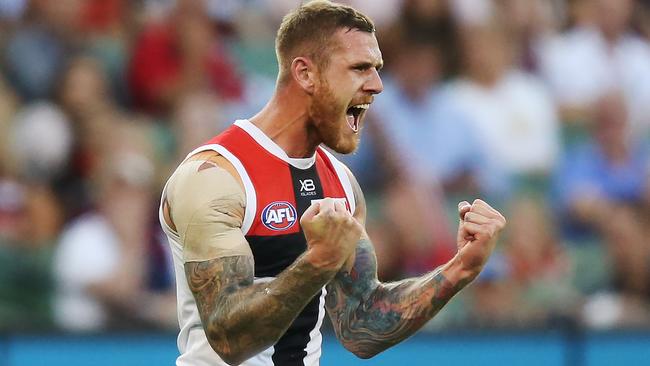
207	206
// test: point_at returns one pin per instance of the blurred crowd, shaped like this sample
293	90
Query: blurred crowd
540	107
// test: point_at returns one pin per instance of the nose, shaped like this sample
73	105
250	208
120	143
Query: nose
374	85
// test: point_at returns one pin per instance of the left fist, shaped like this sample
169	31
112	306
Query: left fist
478	231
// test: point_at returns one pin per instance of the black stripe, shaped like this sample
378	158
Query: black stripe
273	254
306	187
290	349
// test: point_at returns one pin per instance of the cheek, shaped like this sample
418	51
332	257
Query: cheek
329	103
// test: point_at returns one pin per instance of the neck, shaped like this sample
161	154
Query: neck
611	37
285	120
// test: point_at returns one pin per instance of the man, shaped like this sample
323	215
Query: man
253	282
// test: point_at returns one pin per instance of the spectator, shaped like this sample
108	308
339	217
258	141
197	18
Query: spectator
180	54
107	26
40	142
598	54
539	266
36	146
508	108
106	278
36	52
30	218
84	94
601	187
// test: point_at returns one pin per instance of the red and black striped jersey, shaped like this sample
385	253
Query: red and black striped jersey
278	191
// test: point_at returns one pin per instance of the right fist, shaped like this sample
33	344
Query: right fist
332	233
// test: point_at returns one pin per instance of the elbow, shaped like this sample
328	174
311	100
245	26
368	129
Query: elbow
364	355
361	350
232	360
228	356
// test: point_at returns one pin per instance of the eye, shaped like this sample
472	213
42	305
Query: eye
363	66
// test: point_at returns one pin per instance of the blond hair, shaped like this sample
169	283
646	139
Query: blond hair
307	31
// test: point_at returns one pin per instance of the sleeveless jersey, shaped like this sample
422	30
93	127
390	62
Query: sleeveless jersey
278	190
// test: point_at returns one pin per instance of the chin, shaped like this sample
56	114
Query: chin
337	135
345	145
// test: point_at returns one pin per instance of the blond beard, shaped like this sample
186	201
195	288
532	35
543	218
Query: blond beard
327	122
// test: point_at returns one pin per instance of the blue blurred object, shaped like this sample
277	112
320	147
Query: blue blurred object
34	59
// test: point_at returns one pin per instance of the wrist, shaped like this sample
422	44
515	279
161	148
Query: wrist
322	262
457	274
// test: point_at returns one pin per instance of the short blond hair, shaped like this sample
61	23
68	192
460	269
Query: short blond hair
307	31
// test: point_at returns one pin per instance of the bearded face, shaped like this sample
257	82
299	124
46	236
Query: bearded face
344	89
331	117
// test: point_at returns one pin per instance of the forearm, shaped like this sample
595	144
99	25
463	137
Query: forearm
245	318
371	320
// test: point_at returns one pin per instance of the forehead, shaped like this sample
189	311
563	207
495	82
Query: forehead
353	45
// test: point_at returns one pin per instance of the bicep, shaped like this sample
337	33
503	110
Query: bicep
207	205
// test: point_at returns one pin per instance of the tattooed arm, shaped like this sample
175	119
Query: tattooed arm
242	319
205	205
369	316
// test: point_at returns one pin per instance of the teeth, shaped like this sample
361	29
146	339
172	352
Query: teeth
362	106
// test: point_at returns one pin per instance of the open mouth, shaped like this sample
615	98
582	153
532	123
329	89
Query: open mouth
354	114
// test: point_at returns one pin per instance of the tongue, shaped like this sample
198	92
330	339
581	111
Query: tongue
351	122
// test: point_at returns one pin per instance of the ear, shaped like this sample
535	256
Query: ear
303	71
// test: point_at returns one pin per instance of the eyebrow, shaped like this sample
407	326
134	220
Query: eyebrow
367	65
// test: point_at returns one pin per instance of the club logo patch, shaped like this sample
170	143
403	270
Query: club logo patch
279	215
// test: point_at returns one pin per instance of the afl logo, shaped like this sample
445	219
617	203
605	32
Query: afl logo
279	215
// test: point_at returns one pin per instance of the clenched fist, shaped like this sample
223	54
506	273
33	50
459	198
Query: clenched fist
332	233
478	230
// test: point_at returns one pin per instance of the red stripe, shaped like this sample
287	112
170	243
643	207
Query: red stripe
270	176
332	186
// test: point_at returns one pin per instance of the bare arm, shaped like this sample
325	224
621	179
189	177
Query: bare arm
240	318
369	316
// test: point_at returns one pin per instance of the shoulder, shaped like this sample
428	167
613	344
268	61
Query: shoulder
204	168
203	179
210	158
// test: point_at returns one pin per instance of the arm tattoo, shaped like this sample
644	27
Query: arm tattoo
241	318
369	316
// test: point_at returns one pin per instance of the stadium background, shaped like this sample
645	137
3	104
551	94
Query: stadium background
541	107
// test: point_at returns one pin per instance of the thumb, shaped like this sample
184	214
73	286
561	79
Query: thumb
463	208
463	236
